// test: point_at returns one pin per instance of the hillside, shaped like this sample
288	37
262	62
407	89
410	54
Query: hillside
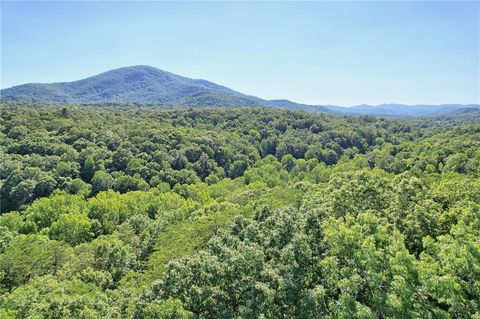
139	213
135	84
150	86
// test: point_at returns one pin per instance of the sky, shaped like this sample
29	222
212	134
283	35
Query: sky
340	53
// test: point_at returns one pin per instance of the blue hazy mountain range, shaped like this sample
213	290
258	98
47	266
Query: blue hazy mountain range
151	86
405	110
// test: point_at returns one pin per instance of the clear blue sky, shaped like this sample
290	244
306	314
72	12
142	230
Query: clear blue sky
342	53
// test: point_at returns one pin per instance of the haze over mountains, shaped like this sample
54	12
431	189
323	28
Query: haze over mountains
149	85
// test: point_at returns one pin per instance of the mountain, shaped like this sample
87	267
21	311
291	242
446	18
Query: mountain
138	84
147	85
402	109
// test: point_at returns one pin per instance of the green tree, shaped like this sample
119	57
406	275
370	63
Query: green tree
101	181
31	255
73	229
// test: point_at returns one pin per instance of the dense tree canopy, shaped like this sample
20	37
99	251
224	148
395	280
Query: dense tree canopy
132	212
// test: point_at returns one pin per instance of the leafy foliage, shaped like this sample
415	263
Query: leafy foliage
246	213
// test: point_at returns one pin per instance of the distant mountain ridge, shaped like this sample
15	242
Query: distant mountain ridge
148	85
136	84
402	109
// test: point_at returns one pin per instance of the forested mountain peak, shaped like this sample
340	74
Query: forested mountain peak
134	84
142	84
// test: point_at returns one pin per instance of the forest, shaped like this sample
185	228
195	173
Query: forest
124	211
